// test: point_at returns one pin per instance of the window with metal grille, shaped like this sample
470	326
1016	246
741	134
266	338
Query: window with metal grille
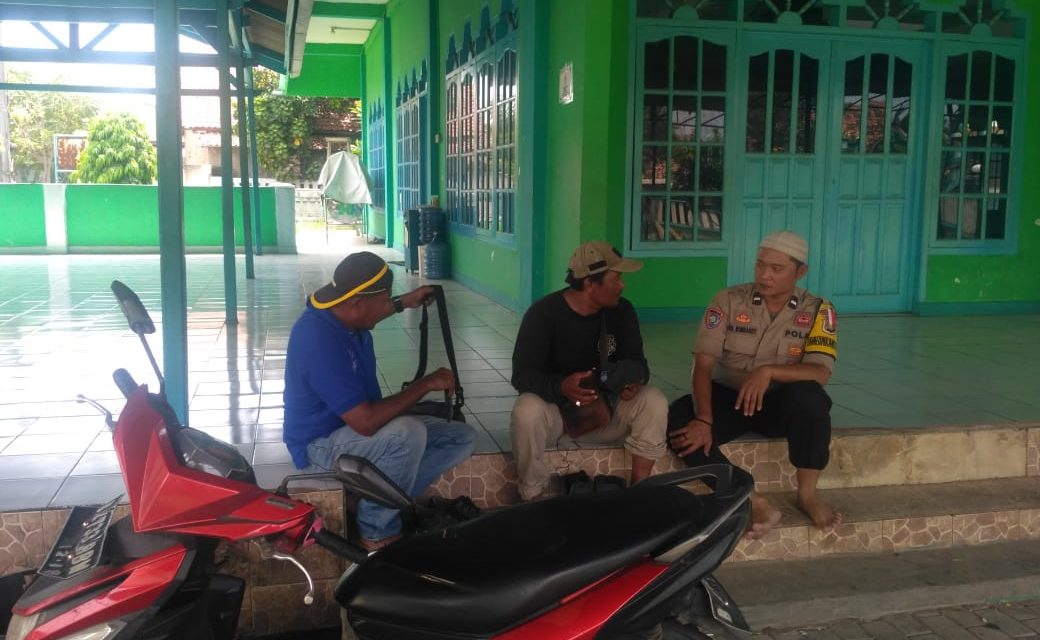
978	124
410	120
376	156
481	92
680	142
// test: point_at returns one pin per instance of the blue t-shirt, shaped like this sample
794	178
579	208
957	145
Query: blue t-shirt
329	370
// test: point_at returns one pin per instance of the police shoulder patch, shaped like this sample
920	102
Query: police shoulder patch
713	317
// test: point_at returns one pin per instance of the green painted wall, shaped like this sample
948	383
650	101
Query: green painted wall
410	36
329	70
22	221
127	216
1015	277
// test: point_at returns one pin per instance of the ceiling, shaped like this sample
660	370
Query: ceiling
343	21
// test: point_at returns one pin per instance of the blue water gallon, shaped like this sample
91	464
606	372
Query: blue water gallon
437	259
432	222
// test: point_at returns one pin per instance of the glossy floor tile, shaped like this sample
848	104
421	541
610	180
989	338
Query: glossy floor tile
62	334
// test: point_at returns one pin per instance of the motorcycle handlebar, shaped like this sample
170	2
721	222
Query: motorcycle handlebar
339	545
124	381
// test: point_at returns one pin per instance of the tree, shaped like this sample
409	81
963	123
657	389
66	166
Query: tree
118	151
35	117
285	126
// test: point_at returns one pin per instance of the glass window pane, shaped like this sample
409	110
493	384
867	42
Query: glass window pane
956	76
655	117
655	64
686	64
996	219
1000	128
652	218
1004	80
680	219
758	76
948	217
973	172
853	104
713	70
713	119
950	182
877	112
953	126
980	75
654	160
783	66
900	125
970	209
808	85
978	125
709	218
683	159
997	176
710	176
684	118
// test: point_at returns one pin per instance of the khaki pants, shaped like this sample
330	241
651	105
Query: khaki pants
536	424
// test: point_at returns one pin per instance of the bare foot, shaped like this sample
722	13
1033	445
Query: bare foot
821	514
763	517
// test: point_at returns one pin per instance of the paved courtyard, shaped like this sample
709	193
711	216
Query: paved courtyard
975	622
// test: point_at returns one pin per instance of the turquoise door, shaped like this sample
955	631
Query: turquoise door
782	154
868	256
828	151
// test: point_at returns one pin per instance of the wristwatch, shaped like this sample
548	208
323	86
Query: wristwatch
398	304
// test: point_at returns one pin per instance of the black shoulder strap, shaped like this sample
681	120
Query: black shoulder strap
604	343
449	346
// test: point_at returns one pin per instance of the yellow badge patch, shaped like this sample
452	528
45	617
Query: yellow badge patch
823	337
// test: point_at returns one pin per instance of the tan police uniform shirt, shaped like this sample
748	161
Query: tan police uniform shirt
738	331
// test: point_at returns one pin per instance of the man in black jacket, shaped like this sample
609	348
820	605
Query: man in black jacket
558	370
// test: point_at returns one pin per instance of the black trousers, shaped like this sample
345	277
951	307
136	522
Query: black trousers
797	411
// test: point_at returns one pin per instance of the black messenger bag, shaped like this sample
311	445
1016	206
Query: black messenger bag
447	408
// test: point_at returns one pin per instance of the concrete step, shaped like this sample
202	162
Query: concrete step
901	518
859	458
798	593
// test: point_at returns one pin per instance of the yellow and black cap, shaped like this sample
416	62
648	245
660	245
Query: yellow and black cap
359	274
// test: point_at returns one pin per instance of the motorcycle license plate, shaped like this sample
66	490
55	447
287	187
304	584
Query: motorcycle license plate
722	606
78	547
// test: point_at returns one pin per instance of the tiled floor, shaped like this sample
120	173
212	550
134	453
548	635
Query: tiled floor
61	333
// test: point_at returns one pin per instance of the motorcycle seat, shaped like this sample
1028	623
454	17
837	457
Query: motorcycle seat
486	575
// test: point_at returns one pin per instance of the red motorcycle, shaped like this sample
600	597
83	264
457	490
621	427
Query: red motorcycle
630	563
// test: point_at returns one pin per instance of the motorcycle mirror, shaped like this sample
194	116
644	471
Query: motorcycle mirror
140	322
365	479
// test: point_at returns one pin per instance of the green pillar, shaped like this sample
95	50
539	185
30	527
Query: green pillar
388	138
531	148
243	167
172	271
256	164
364	137
434	91
226	171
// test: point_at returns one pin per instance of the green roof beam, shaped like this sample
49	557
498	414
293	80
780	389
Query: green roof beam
266	11
268	58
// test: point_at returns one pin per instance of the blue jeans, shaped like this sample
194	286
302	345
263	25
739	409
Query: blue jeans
413	451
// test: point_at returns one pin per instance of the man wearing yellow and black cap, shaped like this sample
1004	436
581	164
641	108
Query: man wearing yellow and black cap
763	353
334	404
579	366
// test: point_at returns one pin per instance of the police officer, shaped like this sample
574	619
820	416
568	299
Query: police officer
763	353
